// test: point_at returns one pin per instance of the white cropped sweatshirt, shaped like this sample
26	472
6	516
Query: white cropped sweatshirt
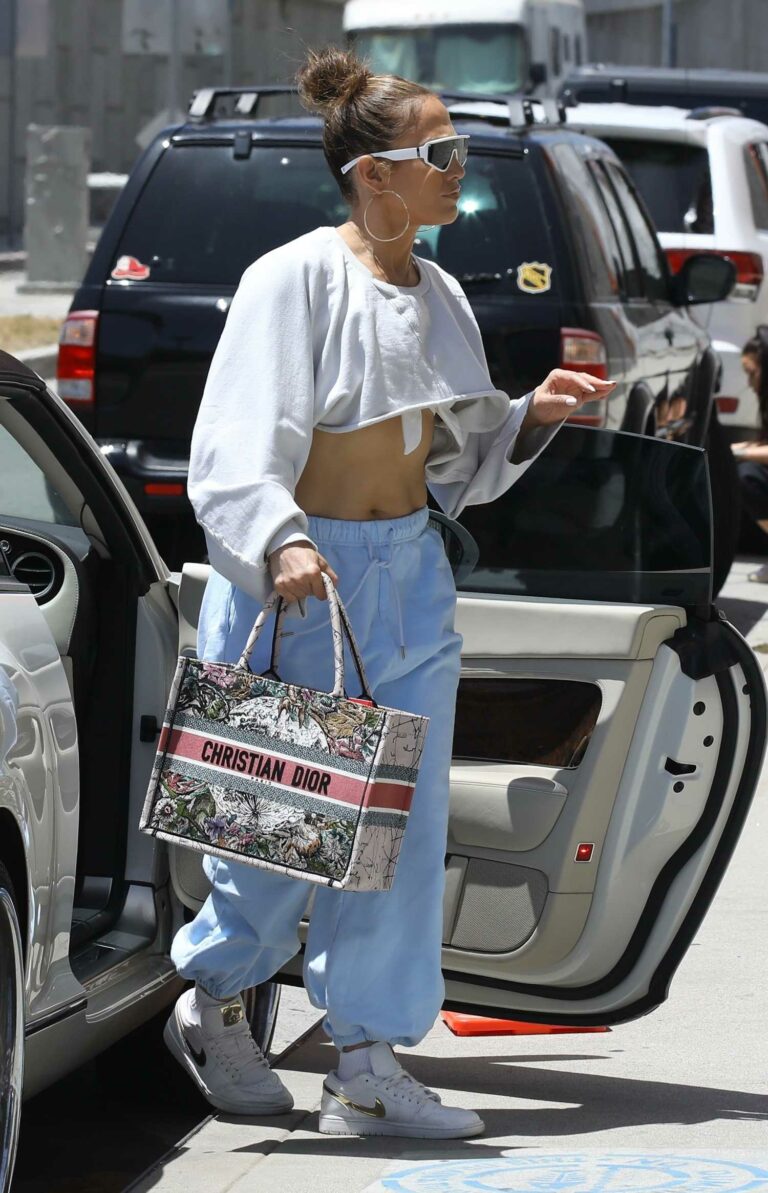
313	339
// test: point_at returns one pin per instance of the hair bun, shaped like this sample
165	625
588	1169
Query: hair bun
330	78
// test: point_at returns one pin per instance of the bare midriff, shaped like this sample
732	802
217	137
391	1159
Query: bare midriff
365	474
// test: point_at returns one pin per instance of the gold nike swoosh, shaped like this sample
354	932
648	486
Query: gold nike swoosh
375	1111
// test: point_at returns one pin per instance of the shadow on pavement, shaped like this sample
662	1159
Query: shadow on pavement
98	1129
743	614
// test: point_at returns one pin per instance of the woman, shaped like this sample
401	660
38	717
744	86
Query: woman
752	456
349	374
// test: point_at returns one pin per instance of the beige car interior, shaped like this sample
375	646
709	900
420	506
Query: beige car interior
516	899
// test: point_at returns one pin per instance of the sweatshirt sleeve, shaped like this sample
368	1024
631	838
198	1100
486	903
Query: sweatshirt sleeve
254	427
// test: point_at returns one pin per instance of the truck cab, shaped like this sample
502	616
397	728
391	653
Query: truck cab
504	46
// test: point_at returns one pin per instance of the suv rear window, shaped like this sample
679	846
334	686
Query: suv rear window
673	179
204	215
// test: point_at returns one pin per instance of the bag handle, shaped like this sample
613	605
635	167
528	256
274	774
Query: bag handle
340	627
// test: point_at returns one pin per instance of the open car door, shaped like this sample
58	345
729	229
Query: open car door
609	735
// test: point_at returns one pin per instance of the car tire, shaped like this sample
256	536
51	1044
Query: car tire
726	502
11	1028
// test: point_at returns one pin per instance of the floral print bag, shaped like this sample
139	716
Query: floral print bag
316	785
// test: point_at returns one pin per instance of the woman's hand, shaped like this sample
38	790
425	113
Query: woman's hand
561	394
750	450
296	572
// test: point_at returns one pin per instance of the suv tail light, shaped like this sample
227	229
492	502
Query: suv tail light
77	353
749	268
727	405
584	352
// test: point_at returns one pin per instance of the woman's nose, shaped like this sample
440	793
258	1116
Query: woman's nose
455	169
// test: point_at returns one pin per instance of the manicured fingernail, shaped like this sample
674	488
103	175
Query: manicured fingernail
571	401
591	388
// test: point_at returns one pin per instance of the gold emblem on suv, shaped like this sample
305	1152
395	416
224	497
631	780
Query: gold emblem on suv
534	277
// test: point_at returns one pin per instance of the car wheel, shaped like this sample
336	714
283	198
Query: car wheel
261	1005
11	1028
726	502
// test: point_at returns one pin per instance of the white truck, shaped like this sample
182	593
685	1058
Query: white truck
501	46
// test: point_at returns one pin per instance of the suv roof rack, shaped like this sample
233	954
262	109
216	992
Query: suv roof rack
203	102
519	108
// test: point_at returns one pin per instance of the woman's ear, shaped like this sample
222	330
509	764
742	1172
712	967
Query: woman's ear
373	173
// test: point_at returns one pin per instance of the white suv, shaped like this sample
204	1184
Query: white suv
704	177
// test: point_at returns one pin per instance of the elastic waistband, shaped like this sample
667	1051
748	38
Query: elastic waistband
373	530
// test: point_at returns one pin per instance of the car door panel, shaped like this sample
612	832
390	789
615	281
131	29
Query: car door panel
585	992
632	728
39	778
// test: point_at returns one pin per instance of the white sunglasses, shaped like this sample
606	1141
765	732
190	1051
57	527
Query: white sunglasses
438	153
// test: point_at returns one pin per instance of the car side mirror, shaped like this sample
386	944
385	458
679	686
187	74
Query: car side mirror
538	73
704	277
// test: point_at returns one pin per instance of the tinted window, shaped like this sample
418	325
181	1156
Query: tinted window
757	177
632	282
501	225
593	237
25	491
483	57
204	215
600	516
673	179
649	256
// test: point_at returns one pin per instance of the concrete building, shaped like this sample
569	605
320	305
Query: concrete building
106	65
731	34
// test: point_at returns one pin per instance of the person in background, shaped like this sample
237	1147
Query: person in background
752	456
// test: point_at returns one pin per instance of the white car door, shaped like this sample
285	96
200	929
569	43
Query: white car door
610	731
87	647
610	724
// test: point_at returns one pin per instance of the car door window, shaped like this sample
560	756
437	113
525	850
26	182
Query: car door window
757	178
650	259
674	180
25	491
593	237
599	516
632	280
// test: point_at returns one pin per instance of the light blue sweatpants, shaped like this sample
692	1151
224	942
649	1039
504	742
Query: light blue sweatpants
372	959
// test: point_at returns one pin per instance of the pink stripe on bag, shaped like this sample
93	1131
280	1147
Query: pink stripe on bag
223	755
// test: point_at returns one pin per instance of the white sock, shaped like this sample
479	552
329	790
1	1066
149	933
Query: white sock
202	1000
357	1060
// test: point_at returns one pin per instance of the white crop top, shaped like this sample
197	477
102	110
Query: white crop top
313	339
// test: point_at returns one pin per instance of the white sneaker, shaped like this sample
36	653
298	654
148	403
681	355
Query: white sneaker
388	1101
760	576
214	1044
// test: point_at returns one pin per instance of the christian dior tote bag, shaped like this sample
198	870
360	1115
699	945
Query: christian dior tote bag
312	784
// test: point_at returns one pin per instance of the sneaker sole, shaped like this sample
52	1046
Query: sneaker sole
334	1124
174	1042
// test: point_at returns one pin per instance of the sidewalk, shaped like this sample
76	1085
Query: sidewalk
53	306
678	1100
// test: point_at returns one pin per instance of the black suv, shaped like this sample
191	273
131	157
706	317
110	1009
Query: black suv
553	246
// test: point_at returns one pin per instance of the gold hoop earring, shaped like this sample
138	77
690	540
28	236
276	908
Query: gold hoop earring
386	239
